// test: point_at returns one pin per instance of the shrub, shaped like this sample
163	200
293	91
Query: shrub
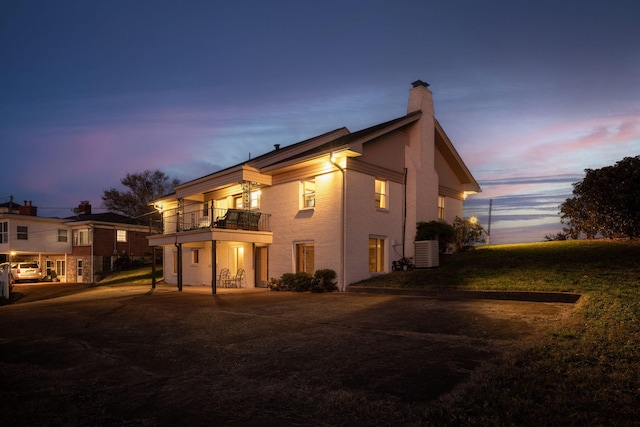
436	230
324	281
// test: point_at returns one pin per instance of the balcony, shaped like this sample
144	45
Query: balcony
228	219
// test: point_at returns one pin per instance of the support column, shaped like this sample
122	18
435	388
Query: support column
153	267
179	245
214	285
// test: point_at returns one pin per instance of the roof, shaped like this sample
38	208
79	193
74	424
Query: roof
106	217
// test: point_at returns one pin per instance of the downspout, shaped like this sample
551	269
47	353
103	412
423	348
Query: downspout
404	212
344	222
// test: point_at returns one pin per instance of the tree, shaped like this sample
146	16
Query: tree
468	233
143	189
606	202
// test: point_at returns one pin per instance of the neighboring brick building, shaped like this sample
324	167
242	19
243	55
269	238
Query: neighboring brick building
71	249
344	201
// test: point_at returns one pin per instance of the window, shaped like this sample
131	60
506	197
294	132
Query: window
308	194
205	209
4	232
195	256
175	262
304	258
23	232
62	235
381	194
121	235
255	199
81	237
440	207
237	202
376	255
79	268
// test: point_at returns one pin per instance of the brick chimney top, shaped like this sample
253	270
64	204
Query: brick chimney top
83	208
420	83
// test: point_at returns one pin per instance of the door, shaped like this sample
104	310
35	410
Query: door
262	272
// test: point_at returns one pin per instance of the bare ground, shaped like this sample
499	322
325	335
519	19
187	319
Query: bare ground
126	355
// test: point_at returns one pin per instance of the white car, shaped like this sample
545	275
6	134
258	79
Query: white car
24	271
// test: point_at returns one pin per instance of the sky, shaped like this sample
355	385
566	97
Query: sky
531	93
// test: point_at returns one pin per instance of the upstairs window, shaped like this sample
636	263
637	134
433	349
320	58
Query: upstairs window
309	194
255	199
62	236
81	237
381	194
23	232
4	232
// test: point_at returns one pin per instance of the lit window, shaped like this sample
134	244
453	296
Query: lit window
81	237
121	235
376	255
62	235
440	207
308	194
195	256
23	232
237	202
61	267
255	199
304	258
381	194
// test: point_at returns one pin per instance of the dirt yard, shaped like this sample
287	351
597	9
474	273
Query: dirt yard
127	355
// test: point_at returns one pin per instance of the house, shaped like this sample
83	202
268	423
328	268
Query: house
344	201
71	249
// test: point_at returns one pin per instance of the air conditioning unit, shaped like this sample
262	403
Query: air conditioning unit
426	254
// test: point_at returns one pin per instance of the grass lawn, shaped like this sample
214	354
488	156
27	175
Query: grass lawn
586	373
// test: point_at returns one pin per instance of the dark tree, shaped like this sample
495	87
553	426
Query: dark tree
143	189
606	202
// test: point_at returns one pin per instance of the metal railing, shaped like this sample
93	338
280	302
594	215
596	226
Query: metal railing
229	219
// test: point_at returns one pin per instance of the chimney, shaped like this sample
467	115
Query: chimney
84	208
28	209
420	98
276	146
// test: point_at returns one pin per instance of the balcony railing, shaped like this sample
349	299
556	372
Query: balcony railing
230	219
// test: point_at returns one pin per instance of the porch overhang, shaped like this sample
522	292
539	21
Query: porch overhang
209	234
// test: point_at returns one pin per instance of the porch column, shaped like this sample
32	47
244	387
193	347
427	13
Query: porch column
213	267
179	245
153	267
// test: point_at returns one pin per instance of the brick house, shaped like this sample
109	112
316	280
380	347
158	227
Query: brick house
71	249
342	200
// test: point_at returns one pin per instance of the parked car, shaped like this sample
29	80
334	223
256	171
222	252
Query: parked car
24	271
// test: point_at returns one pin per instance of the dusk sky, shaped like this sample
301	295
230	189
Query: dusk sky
530	92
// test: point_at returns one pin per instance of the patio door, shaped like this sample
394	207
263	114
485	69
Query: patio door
262	271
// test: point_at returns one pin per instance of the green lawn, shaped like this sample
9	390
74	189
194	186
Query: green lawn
135	276
585	373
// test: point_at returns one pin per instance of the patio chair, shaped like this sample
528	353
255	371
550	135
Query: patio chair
237	279
225	278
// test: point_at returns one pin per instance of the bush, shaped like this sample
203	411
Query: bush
436	230
322	281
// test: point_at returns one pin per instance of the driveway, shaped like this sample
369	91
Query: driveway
126	355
